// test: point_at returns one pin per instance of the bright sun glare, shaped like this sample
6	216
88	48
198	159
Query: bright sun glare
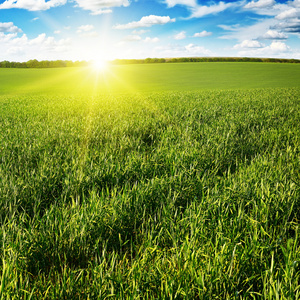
100	65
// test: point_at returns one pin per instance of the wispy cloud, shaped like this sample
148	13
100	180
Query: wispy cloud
203	10
259	4
132	38
201	34
85	28
189	3
180	36
289	14
199	11
289	27
252	32
151	40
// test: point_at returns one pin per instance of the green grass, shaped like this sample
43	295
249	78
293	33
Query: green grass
149	195
150	78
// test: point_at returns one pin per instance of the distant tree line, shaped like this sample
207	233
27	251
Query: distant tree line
43	64
69	63
203	59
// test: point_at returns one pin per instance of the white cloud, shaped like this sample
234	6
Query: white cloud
274	35
181	51
190	3
32	5
198	11
279	47
201	11
291	27
9	27
132	38
86	31
57	32
260	4
289	14
251	32
85	28
180	36
203	33
40	47
138	32
248	44
295	3
276	49
7	37
34	19
151	40
98	7
193	49
101	12
147	21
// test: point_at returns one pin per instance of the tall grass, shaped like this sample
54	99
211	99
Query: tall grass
191	195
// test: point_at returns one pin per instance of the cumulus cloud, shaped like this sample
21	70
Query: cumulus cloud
260	4
203	33
98	7
273	35
32	5
193	49
180	36
24	48
147	21
7	37
275	49
9	27
248	44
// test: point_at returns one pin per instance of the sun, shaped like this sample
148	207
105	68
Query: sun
100	65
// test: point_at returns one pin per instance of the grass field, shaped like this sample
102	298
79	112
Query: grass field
167	182
149	78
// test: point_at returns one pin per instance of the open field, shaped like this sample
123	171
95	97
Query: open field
149	78
179	185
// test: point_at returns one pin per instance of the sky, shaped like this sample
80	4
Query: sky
119	29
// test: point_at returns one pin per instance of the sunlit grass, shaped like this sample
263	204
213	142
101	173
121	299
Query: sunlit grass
147	78
148	195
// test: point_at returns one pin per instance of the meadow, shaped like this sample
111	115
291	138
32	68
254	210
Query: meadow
177	181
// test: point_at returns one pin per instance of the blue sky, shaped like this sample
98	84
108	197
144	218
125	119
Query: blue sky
109	29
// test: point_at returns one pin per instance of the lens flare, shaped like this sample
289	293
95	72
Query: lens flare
100	65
